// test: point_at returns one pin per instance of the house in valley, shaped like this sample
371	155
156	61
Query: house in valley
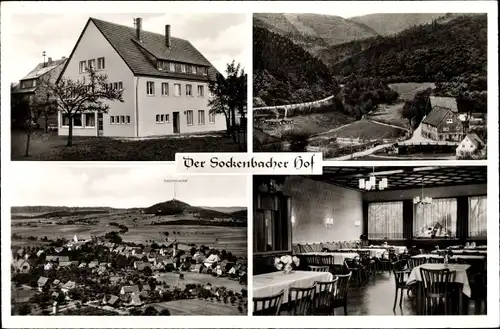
442	124
164	81
469	145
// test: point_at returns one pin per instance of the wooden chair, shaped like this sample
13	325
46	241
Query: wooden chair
315	268
339	298
323	297
414	262
400	279
300	300
437	287
353	266
327	260
269	305
435	260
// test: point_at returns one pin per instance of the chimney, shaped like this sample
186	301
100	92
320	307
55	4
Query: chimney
167	35
138	27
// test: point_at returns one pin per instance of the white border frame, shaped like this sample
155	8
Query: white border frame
63	8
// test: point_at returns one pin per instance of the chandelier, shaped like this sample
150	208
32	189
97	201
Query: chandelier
422	200
371	183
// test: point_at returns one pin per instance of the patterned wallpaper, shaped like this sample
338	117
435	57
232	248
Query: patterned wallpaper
313	201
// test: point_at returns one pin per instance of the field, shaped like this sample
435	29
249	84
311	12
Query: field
232	239
198	307
319	122
407	90
390	114
365	129
50	147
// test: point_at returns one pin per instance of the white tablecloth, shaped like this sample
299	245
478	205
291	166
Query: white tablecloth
426	256
460	276
338	257
272	283
461	251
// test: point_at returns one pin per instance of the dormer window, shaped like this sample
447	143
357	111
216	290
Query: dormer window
193	69
449	120
183	68
172	67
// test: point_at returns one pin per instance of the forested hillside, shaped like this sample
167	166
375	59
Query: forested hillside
393	23
284	73
432	52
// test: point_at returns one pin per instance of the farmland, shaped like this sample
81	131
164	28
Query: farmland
233	239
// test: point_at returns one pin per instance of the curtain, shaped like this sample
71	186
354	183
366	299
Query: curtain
436	220
385	220
477	216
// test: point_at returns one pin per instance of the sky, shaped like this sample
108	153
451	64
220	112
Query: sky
122	187
219	37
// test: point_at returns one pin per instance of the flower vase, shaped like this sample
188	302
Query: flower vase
446	261
287	269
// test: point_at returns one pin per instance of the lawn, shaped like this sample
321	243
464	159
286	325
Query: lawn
407	90
51	147
365	129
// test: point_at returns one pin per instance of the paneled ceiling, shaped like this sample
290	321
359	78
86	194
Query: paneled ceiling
402	178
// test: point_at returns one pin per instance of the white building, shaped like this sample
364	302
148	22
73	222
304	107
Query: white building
469	145
164	81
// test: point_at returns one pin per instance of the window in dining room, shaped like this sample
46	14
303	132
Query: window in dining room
385	220
436	220
272	223
477	217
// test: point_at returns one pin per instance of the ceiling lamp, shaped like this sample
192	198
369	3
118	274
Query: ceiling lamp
372	184
422	200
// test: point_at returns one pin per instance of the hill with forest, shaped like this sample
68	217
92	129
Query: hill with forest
393	23
285	73
438	51
176	207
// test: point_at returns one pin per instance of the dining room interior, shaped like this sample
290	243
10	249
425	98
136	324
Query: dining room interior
406	240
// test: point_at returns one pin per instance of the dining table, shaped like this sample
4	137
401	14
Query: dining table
454	257
463	251
269	284
460	278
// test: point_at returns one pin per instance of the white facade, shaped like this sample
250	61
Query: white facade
137	115
466	146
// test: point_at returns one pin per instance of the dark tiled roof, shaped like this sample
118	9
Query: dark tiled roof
435	117
123	39
43	68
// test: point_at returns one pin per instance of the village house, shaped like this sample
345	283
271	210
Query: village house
22	266
28	86
57	258
135	300
93	264
141	266
68	286
469	145
112	300
129	289
442	124
164	82
42	282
